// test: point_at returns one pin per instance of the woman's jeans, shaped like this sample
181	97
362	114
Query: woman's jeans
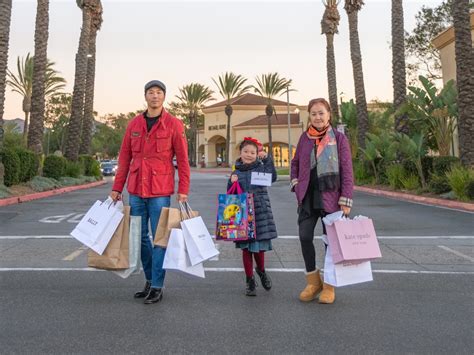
149	209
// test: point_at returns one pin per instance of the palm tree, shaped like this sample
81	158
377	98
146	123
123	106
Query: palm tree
464	79
194	96
40	62
5	17
329	25
22	82
88	118
230	86
269	86
352	8
77	109
398	65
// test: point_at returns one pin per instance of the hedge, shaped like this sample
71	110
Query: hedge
12	165
54	166
29	163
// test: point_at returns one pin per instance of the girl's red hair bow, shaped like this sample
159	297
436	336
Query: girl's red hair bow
256	141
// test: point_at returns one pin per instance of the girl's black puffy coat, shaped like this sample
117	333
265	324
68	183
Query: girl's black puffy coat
265	224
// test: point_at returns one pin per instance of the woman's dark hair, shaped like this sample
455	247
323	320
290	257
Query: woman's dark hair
245	142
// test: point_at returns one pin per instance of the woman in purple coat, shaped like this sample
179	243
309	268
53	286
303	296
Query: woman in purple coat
321	177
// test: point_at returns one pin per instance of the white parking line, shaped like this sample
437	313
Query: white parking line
455	252
279	237
236	269
75	254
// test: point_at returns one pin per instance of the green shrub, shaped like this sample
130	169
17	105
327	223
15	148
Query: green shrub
439	184
470	190
95	170
426	165
459	177
73	169
362	172
54	166
12	165
4	191
41	183
395	174
89	165
410	182
441	165
29	163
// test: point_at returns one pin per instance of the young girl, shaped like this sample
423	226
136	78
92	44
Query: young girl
254	159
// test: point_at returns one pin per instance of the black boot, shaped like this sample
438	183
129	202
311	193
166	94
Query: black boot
155	295
145	292
265	279
251	287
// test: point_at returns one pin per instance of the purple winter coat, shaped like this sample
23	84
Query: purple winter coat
301	168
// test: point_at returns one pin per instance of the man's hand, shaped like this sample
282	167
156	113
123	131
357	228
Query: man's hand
115	196
346	210
182	198
233	178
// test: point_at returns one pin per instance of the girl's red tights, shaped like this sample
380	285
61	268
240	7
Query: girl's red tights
248	262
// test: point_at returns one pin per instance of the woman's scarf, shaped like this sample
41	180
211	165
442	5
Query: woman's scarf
325	157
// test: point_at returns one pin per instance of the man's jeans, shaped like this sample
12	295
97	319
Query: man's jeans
152	256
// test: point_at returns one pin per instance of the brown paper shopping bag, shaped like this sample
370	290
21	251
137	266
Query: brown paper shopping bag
116	254
170	218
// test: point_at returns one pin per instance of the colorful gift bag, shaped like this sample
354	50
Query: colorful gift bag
235	215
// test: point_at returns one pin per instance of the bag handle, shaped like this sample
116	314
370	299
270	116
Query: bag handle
185	210
235	188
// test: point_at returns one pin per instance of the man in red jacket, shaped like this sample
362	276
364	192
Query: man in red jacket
151	141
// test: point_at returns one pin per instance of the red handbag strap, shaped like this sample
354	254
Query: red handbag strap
235	189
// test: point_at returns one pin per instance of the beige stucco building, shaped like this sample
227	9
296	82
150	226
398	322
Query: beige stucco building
249	120
444	42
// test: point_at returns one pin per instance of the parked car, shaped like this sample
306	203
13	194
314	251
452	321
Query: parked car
107	169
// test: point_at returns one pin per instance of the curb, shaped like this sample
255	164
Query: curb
38	195
468	207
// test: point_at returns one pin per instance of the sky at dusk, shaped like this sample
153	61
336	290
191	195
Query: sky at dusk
180	42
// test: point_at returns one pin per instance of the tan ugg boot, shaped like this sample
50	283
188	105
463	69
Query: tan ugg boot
313	287
328	295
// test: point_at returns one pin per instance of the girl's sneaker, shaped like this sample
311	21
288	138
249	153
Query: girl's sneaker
265	279
251	287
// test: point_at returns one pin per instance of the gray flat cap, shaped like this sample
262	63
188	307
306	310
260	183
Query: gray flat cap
157	83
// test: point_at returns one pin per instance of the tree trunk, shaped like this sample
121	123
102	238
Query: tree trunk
25	126
331	73
269	111
356	58
398	65
464	80
5	18
227	143
40	61
77	108
88	118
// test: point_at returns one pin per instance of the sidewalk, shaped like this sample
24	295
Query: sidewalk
35	196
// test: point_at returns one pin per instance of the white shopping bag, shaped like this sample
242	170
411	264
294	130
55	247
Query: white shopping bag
98	225
177	258
199	242
345	273
261	179
134	248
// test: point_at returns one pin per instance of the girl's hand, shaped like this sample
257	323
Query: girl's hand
234	178
262	154
346	210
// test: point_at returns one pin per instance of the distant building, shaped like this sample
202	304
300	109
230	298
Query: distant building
444	42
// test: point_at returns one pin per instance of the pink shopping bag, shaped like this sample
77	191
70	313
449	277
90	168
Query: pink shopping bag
353	240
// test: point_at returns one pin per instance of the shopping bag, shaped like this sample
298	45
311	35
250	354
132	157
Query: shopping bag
116	254
235	215
169	218
98	225
134	243
352	239
345	273
177	258
199	242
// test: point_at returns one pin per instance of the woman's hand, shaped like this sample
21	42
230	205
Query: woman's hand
115	196
234	178
262	154
346	210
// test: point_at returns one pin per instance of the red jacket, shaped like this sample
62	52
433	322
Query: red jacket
147	158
